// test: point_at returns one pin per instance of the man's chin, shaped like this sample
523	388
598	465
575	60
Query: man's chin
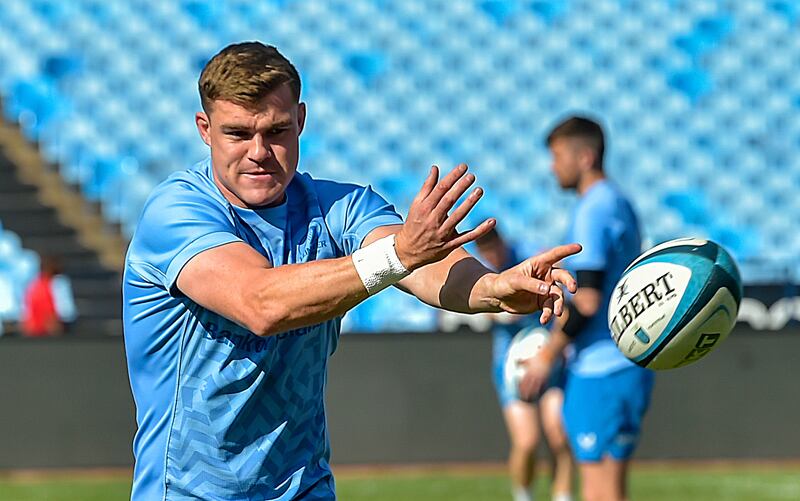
262	201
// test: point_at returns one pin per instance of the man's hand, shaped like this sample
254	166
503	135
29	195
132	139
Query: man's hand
539	367
533	285
429	233
537	372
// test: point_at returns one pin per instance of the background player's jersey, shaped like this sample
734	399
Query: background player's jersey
605	224
223	413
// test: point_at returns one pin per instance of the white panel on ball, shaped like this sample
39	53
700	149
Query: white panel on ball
644	303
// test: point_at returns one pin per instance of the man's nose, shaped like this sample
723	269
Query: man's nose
260	149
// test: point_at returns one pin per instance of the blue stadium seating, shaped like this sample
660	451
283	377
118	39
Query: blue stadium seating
700	99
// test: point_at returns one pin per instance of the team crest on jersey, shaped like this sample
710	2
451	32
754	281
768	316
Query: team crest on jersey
315	244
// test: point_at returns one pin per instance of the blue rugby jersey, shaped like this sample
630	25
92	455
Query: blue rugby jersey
223	413
605	224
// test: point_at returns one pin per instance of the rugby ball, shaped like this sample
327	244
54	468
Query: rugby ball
675	303
526	344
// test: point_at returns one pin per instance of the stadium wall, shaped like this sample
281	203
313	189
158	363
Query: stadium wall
396	398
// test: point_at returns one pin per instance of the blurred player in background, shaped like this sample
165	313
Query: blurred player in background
238	275
606	395
522	417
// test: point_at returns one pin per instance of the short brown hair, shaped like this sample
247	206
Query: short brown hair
577	127
245	73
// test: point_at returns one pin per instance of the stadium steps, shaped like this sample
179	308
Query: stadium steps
73	210
26	208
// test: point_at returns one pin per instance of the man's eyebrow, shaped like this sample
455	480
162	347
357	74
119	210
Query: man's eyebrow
228	128
234	128
281	125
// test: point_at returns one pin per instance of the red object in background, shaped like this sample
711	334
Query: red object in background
39	313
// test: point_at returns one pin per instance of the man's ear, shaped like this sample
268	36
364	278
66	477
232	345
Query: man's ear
301	117
586	158
203	126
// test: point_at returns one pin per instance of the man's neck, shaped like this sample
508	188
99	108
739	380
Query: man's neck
589	179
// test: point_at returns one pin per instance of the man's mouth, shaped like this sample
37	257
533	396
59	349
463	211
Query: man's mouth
259	173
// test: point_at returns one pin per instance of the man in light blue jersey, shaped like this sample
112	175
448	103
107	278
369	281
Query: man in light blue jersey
522	418
606	395
238	275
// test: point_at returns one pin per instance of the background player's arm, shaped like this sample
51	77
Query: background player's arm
587	301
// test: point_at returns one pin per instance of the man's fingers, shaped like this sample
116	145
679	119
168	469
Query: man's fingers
462	210
529	284
447	182
556	254
553	305
547	311
428	185
453	194
557	295
473	234
564	277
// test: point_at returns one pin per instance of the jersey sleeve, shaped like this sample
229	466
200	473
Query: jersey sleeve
177	224
590	229
354	211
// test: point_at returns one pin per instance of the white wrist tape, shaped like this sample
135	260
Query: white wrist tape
378	265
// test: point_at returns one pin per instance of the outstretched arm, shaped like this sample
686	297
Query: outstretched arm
460	283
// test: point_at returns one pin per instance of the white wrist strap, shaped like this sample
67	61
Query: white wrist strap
378	265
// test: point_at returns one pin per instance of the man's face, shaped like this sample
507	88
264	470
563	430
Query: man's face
566	162
254	152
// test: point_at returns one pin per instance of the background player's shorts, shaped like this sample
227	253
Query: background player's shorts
501	341
603	415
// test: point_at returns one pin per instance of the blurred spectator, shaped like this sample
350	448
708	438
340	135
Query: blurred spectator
48	304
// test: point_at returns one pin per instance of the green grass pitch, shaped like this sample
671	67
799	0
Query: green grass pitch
687	483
